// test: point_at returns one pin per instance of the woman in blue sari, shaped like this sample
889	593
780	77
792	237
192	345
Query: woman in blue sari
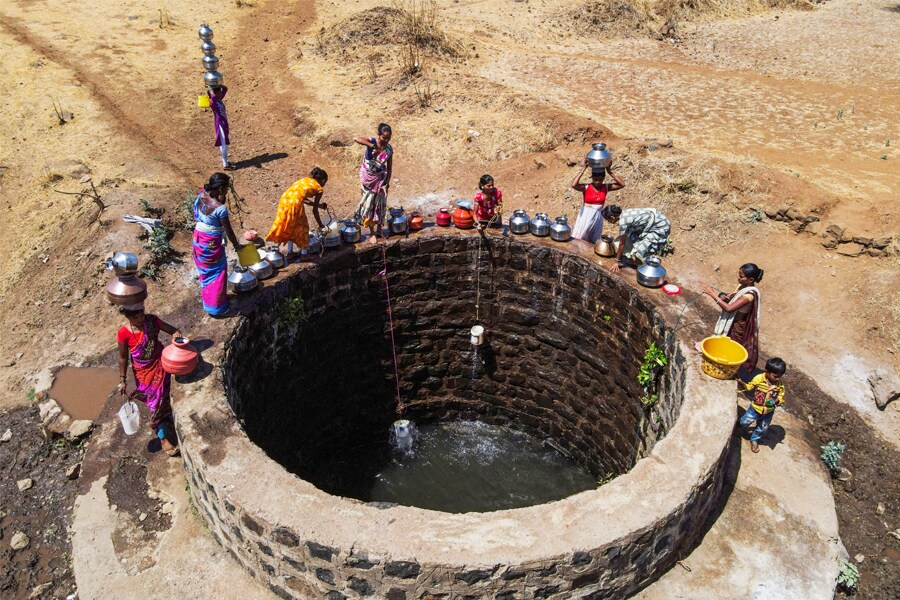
212	225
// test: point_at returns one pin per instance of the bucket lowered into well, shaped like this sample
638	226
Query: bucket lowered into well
476	335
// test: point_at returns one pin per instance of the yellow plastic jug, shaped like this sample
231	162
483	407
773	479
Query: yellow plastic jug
248	255
203	101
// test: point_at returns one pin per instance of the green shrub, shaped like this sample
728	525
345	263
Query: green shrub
291	311
831	456
848	578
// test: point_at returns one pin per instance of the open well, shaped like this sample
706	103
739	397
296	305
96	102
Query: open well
309	376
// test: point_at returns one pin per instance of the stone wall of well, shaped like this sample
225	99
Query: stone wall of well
564	343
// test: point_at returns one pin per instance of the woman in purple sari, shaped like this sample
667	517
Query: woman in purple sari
375	179
220	121
139	341
212	225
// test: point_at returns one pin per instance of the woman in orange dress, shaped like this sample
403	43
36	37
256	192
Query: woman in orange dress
290	224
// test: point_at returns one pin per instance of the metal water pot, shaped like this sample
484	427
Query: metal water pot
599	157
540	225
274	257
263	269
561	231
651	273
519	221
211	63
123	263
241	279
123	290
605	247
208	48
398	221
212	79
333	237
350	232
205	32
315	243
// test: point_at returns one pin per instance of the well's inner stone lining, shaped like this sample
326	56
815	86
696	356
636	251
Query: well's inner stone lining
560	359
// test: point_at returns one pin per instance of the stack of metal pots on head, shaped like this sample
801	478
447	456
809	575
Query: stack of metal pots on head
212	77
125	288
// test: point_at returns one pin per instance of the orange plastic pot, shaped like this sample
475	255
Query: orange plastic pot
416	222
463	218
179	358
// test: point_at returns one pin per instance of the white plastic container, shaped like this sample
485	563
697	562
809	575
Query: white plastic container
477	335
130	417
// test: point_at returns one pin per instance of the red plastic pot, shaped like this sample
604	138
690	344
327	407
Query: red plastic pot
179	357
443	218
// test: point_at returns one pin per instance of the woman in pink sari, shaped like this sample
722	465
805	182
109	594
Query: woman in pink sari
375	179
139	341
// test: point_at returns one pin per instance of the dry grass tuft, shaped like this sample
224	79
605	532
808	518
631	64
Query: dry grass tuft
651	17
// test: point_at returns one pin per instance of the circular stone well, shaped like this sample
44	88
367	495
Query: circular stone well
309	373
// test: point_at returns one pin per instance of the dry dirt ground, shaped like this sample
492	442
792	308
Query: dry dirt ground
742	125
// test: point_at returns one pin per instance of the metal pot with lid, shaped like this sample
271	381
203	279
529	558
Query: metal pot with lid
540	225
651	273
599	157
274	257
519	222
560	231
315	243
350	232
123	263
333	237
241	279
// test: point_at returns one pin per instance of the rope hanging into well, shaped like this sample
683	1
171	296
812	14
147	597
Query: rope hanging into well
482	237
387	289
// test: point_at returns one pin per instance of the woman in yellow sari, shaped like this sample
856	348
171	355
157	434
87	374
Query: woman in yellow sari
291	225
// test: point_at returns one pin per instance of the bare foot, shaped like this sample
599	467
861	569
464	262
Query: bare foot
754	447
169	448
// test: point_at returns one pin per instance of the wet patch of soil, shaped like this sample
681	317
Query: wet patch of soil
43	512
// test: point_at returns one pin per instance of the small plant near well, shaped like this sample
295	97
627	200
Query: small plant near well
831	455
883	157
606	478
31	395
291	311
153	212
648	374
848	578
607	318
184	219
840	114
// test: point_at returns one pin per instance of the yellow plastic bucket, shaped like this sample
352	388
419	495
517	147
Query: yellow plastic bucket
722	356
203	101
248	255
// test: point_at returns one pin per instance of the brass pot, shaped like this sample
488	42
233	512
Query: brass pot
605	247
126	289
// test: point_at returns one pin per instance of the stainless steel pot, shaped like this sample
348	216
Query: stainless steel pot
398	221
540	225
262	269
211	63
333	239
605	247
208	48
651	273
274	257
123	263
315	244
241	280
205	32
599	157
212	79
519	221
350	232
561	231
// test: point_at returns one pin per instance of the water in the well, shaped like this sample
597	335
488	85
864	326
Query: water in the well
82	391
468	466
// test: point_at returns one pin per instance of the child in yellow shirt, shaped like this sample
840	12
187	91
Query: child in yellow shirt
768	394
